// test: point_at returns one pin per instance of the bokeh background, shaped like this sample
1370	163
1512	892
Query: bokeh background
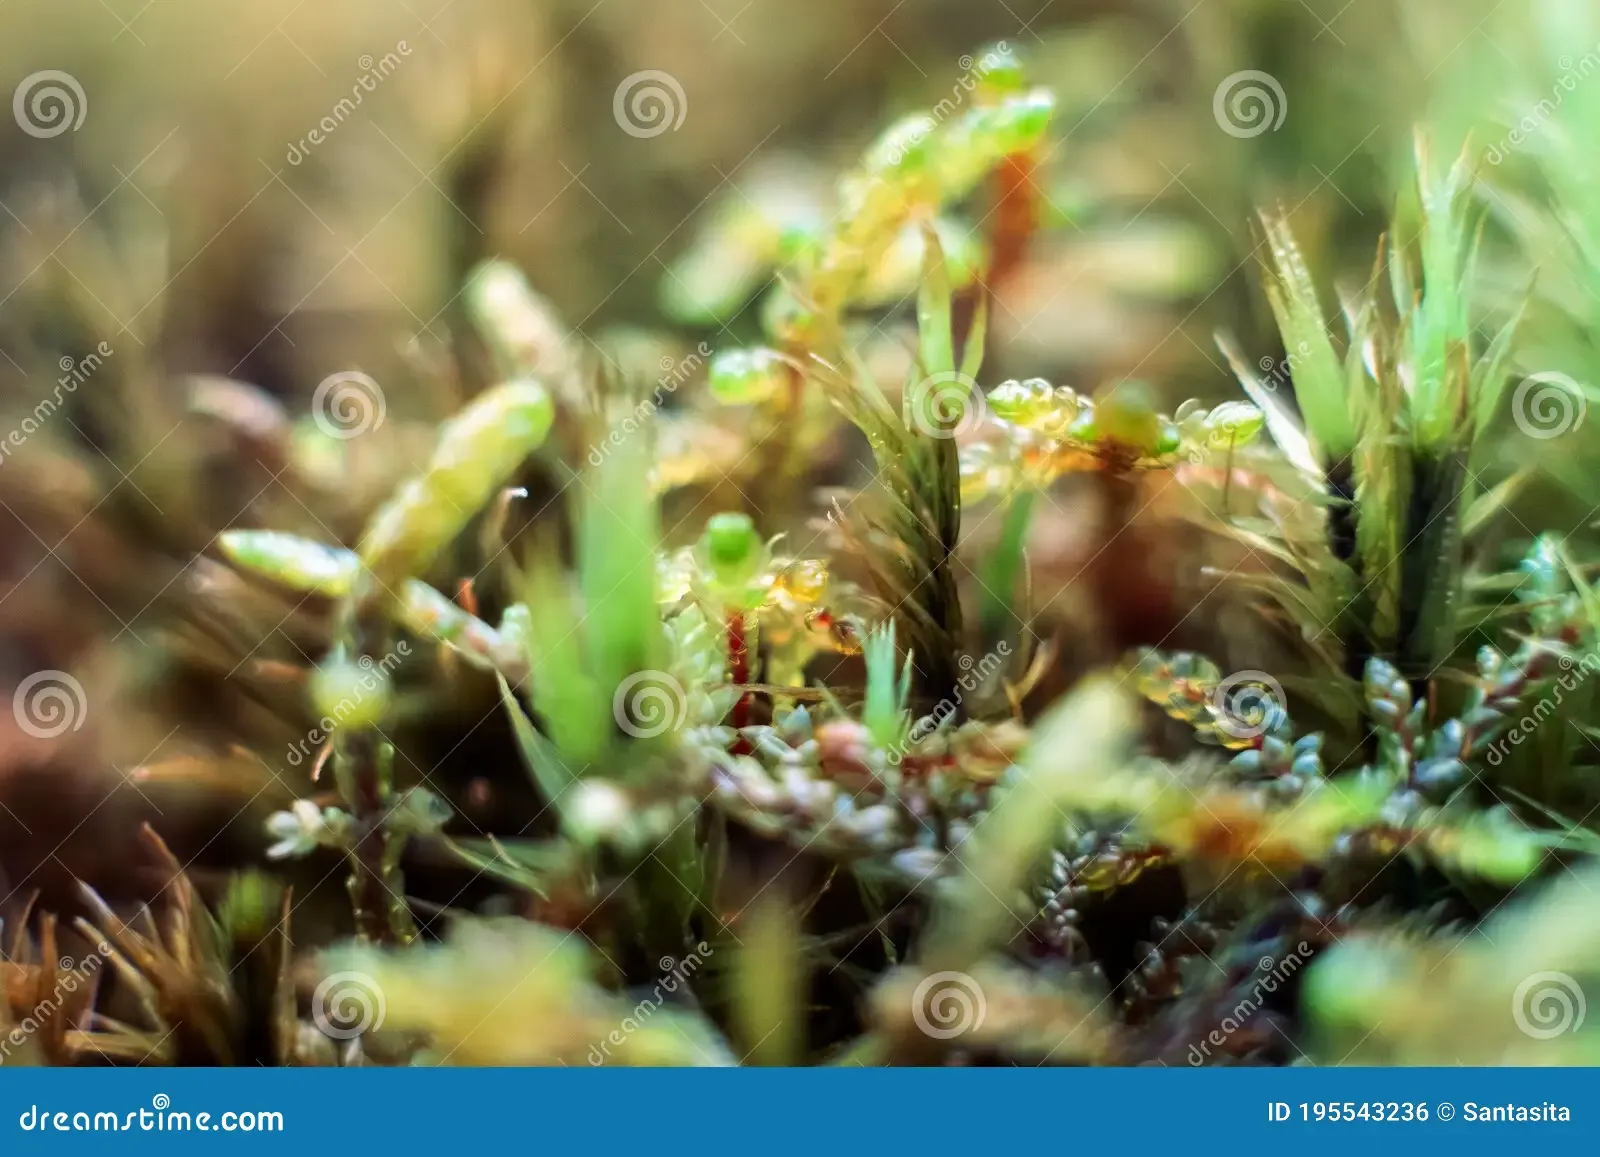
189	220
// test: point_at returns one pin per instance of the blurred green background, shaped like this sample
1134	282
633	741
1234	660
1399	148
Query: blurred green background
216	203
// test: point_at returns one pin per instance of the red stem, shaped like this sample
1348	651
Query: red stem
1016	216
739	672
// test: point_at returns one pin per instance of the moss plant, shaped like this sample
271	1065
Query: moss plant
791	776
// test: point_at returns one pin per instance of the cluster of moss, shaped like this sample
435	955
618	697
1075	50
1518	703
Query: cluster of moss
783	746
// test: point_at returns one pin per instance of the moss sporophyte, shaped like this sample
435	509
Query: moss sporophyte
862	658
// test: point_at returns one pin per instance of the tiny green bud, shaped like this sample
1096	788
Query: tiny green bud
520	325
599	812
1083	428
1022	402
1234	424
1349	987
352	695
795	239
902	147
731	541
785	318
731	555
300	563
1127	415
1016	124
478	451
1000	71
744	376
